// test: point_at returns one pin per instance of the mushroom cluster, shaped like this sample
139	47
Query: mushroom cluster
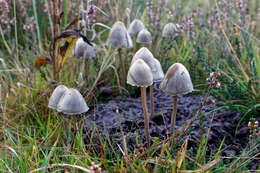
68	101
143	72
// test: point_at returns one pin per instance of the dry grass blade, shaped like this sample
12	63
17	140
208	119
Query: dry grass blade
204	168
62	165
181	154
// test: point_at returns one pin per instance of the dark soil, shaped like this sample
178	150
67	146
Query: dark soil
222	121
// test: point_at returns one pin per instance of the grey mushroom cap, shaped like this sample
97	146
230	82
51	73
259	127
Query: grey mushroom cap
83	49
56	96
140	74
155	66
135	26
177	80
72	103
170	30
119	37
144	36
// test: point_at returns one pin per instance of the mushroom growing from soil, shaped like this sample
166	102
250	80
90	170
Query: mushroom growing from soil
141	75
68	101
155	67
144	37
120	38
176	82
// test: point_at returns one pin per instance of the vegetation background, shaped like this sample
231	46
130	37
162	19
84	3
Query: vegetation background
215	36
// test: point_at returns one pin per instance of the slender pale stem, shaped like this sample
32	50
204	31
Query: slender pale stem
151	102
86	71
146	119
175	99
122	64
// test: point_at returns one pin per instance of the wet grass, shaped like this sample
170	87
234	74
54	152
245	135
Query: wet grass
218	36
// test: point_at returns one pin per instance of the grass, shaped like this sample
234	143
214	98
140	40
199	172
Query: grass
217	37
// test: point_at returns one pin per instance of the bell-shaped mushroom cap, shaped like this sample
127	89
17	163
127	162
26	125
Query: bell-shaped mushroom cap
119	37
144	36
72	103
136	26
82	48
170	30
140	74
177	80
152	62
56	96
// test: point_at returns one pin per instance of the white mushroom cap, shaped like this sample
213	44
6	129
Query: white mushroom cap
152	62
119	37
82	48
170	30
56	96
140	74
144	36
135	26
177	80
72	103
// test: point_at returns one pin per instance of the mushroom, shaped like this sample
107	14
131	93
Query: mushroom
155	67
144	37
56	96
68	101
170	31
176	82
120	38
135	26
72	102
84	50
141	75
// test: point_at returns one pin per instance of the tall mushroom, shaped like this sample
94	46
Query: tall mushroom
155	67
85	51
144	37
176	82
170	32
140	75
120	38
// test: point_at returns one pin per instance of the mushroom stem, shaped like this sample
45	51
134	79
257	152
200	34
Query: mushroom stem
86	72
146	119
175	99
122	64
151	102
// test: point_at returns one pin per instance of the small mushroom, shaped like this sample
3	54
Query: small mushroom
176	82
144	37
155	67
56	96
170	31
72	103
135	27
82	49
140	75
120	38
